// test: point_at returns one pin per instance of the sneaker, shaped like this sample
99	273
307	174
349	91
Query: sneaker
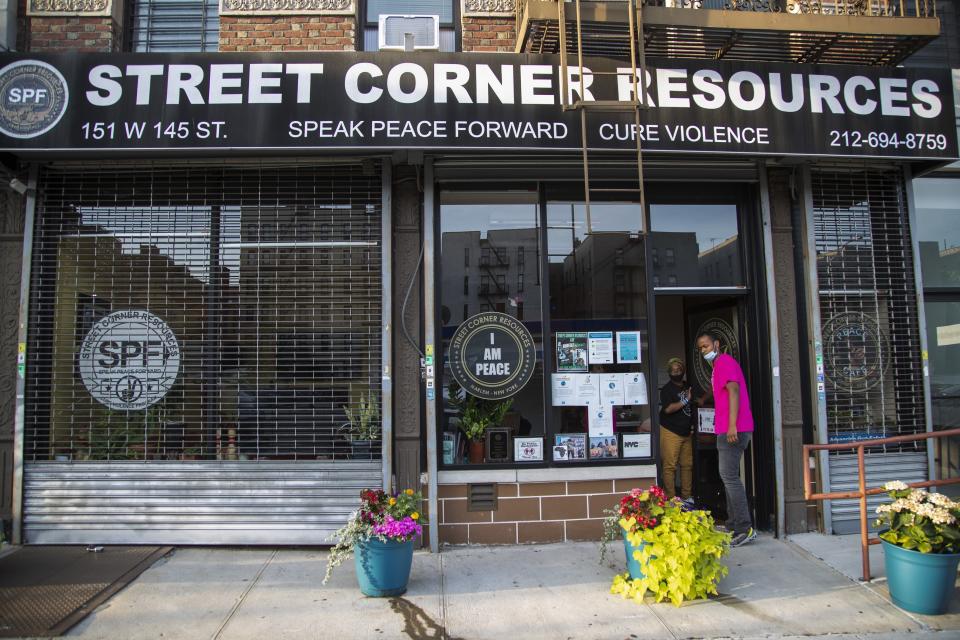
687	504
740	539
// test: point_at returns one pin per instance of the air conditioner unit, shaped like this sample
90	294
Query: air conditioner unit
393	30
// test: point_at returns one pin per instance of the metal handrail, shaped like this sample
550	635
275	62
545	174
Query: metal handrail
878	8
863	491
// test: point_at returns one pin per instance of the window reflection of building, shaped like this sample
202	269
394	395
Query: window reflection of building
719	265
492	282
602	278
682	267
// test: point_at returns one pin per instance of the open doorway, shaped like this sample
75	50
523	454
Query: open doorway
680	319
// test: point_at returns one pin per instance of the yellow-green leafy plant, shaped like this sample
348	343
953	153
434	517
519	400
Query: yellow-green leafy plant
363	422
680	556
476	414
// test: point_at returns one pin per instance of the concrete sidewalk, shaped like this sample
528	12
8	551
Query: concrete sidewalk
775	589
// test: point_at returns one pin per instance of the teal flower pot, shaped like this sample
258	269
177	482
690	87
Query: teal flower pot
920	582
383	568
633	565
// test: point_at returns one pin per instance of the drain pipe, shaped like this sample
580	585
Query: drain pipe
774	326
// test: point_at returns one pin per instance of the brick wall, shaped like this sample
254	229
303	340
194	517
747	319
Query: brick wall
532	512
73	33
287	33
489	34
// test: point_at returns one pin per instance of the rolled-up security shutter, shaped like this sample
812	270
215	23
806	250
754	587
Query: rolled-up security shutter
871	371
196	335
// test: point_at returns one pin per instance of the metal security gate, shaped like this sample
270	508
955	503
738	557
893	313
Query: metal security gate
196	337
871	373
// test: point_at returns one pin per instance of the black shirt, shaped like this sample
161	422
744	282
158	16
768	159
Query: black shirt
679	422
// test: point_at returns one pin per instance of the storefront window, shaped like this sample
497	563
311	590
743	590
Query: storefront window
598	299
485	242
696	245
593	404
938	230
938	234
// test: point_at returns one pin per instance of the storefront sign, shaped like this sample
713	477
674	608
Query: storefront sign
129	360
492	355
378	101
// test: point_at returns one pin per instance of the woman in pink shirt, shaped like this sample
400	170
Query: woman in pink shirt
734	428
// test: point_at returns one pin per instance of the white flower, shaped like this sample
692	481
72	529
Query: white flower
895	485
942	501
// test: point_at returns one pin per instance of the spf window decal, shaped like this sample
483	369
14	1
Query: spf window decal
33	98
129	360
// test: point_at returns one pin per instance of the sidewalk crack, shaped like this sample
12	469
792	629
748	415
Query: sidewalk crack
243	596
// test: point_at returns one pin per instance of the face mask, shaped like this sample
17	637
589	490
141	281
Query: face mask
677	378
710	356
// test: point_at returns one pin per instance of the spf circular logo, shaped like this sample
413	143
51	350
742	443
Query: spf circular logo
129	360
33	98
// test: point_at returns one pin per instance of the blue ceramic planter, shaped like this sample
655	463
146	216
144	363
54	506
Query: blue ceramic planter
920	582
383	568
633	565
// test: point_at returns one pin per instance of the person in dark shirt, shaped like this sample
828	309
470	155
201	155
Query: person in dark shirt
676	425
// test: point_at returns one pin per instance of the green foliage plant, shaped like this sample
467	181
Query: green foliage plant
476	414
363	422
919	520
680	556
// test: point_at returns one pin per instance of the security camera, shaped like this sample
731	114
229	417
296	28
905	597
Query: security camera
18	186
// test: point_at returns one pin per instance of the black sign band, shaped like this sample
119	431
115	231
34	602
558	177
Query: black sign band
381	101
492	355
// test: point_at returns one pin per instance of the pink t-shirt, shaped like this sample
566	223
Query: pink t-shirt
726	369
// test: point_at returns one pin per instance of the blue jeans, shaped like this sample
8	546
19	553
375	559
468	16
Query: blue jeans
729	455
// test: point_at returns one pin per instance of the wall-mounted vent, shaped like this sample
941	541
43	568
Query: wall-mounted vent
482	497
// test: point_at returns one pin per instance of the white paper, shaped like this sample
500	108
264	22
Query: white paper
706	421
634	388
600	347
636	445
564	389
601	421
628	346
948	334
528	449
588	389
611	389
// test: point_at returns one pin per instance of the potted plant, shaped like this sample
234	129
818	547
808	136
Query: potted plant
380	537
362	428
476	416
671	551
921	547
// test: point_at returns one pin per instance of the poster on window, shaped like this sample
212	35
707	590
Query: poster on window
634	388
706	421
564	389
628	346
636	445
588	389
572	351
600	347
604	448
611	390
600	421
569	447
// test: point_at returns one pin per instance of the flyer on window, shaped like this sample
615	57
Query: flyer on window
600	421
636	445
588	389
611	390
628	346
572	351
564	389
634	388
600	347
